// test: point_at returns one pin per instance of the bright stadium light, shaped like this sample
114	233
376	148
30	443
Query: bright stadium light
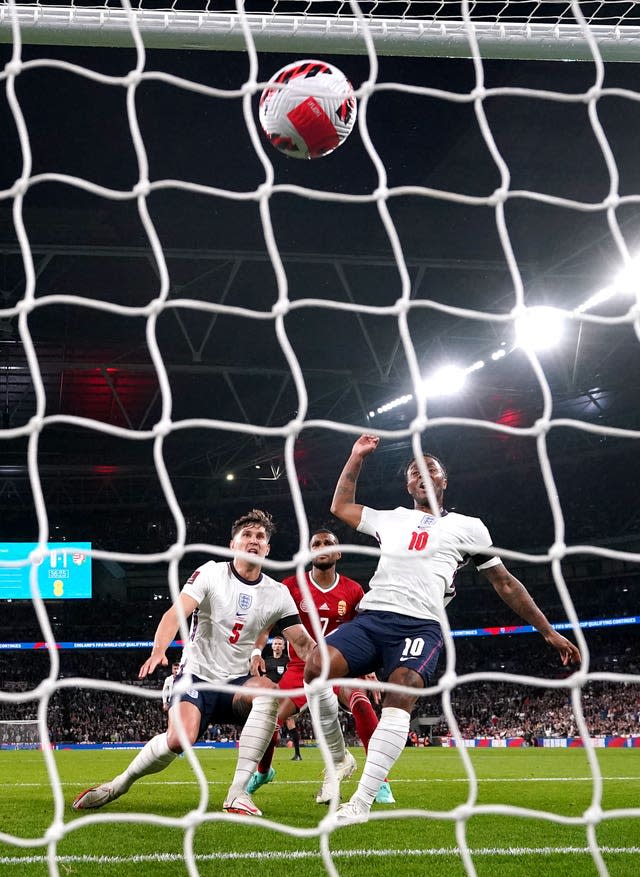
539	328
596	299
445	381
628	280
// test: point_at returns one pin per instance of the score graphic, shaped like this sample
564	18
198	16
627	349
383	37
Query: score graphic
65	573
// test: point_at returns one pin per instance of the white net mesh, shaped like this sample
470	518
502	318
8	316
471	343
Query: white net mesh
611	202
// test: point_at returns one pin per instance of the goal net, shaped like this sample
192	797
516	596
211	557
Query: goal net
485	208
19	734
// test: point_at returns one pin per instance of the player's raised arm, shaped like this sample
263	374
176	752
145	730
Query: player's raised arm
344	505
165	634
516	596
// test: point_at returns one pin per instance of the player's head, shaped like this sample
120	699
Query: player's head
175	668
324	539
277	646
415	485
252	532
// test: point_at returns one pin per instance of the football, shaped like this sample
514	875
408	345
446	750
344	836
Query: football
308	109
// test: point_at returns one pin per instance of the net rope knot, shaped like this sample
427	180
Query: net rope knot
462	813
162	427
19	189
557	551
13	67
498	196
280	308
133	78
593	94
593	815
142	188
448	681
55	833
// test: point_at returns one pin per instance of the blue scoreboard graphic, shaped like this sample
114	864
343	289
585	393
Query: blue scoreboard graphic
64	574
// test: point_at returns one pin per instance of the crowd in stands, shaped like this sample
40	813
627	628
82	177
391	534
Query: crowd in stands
80	712
599	587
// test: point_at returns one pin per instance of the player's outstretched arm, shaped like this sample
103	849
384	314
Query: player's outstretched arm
300	640
516	596
344	505
165	634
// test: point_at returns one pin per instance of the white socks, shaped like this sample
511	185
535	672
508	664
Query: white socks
329	722
387	742
152	758
254	739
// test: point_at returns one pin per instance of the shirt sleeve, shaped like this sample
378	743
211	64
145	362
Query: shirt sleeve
369	522
288	608
197	584
483	539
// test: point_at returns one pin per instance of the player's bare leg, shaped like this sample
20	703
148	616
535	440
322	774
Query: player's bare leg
155	756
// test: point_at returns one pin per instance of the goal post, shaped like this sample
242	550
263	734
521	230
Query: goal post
19	734
414	34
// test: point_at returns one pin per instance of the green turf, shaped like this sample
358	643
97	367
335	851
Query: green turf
553	780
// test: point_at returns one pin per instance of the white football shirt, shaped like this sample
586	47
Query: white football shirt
167	689
420	555
231	613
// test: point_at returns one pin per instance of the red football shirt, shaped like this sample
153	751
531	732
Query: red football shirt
335	605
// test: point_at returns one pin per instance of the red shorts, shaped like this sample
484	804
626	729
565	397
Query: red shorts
293	677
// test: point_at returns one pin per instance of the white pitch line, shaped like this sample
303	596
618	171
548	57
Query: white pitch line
285	855
225	783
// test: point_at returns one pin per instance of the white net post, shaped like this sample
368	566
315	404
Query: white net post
572	37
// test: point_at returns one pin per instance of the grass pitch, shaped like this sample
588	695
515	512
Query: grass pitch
552	780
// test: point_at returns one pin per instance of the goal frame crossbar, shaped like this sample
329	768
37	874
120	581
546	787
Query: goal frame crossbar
167	29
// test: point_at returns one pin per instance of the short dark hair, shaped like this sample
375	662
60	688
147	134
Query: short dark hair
255	517
323	530
425	454
278	636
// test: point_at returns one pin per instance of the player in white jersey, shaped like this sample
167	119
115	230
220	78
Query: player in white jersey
167	688
229	604
398	628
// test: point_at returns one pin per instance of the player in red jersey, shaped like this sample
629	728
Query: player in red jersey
336	598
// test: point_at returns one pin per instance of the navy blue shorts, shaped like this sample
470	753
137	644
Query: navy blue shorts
379	642
214	706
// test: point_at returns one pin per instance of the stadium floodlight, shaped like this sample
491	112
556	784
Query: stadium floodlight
596	299
628	280
539	328
445	381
